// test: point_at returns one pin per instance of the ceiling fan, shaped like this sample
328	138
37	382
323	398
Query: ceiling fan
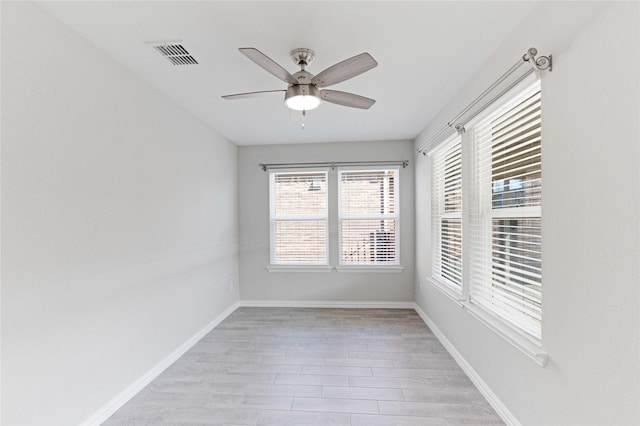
306	91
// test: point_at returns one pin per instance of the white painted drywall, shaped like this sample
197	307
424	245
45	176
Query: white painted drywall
259	284
591	224
119	223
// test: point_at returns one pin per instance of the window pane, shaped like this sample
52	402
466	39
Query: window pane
517	269
368	217
453	180
516	156
368	241
299	218
300	194
300	242
367	193
446	212
451	250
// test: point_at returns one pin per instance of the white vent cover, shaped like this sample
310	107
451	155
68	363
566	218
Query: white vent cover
175	52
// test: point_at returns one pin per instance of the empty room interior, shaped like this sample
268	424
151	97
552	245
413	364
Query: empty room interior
320	212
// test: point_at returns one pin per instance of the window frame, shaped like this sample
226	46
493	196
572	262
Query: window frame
333	223
395	216
483	213
274	218
438	157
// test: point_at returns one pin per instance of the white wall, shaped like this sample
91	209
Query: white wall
259	284
590	223
119	226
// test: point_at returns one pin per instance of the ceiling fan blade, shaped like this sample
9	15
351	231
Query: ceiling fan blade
268	64
346	99
252	94
345	70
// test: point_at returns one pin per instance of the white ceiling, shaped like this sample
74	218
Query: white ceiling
425	50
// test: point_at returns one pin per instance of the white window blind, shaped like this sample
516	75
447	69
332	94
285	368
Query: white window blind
506	258
446	212
298	211
368	216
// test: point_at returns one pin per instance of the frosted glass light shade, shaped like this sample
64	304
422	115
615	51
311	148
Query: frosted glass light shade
303	97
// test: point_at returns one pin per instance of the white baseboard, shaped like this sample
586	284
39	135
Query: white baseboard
501	409
119	400
325	304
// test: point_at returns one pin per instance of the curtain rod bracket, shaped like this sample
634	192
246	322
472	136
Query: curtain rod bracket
541	63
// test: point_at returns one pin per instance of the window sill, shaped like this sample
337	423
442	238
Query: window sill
370	269
517	339
341	269
299	268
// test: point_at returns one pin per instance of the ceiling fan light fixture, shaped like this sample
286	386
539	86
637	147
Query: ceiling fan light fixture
306	91
302	97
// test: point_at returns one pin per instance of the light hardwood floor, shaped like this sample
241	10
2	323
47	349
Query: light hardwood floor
304	367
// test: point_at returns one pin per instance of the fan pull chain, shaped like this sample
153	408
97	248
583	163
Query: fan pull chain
304	113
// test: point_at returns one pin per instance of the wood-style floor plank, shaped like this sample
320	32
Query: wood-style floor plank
308	366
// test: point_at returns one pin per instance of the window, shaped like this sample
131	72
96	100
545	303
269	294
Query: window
506	263
496	270
446	212
299	213
368	216
358	207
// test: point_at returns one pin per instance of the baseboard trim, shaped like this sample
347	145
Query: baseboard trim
325	304
501	409
119	400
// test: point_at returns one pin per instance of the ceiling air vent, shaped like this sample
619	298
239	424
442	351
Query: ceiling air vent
175	52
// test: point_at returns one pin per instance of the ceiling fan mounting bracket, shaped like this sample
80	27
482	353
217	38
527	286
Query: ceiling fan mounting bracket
302	56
